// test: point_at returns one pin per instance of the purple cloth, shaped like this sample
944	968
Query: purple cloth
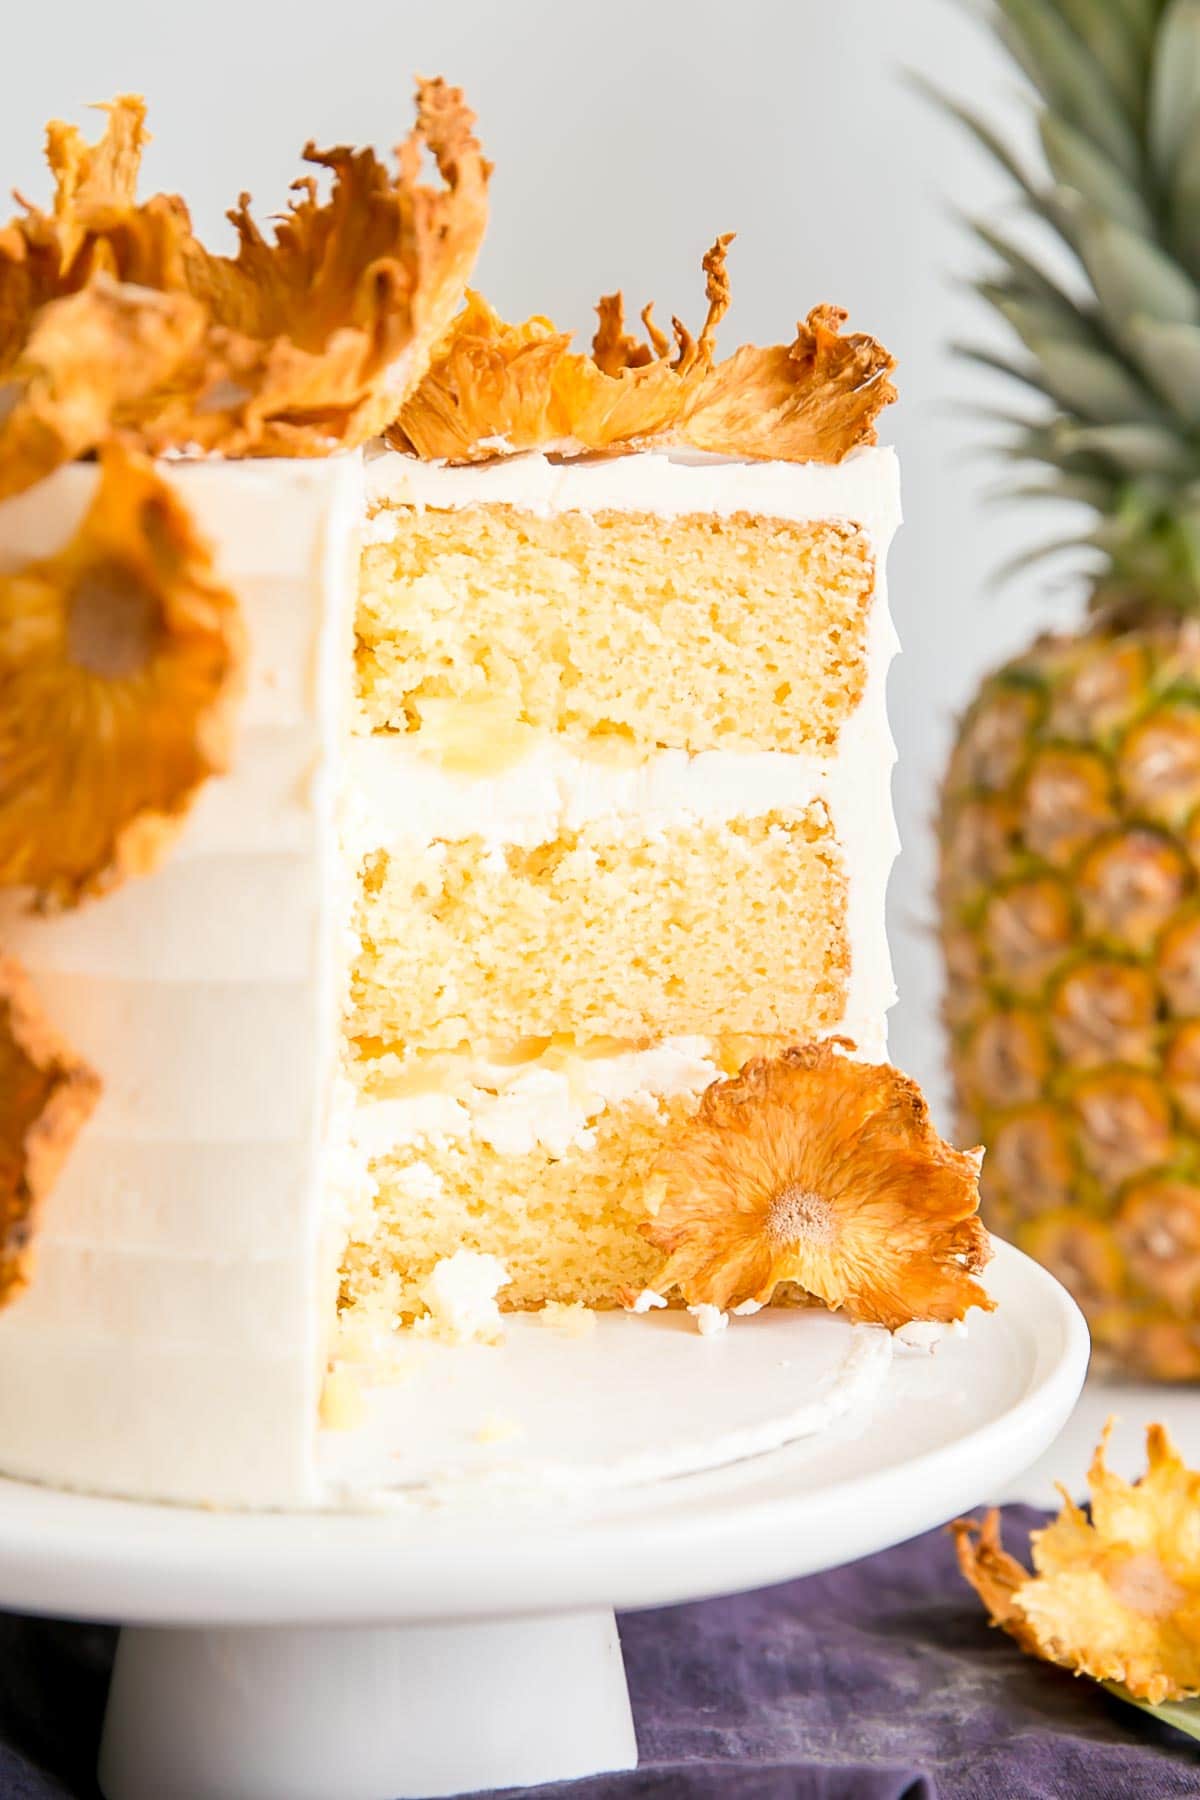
880	1681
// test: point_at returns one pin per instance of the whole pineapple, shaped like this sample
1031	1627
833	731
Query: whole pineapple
1070	820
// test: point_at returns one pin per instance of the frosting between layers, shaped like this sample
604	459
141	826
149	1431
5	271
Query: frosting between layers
398	795
535	1105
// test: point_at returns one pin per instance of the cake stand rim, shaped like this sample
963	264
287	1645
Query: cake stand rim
201	1568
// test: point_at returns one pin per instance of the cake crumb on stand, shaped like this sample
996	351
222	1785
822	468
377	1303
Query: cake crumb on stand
460	1292
499	1428
920	1334
570	1318
343	1403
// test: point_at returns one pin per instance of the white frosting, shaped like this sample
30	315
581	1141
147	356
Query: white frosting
863	489
400	796
532	1105
709	1319
171	1343
858	791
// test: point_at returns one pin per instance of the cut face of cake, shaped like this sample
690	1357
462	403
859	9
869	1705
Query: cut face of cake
621	777
441	876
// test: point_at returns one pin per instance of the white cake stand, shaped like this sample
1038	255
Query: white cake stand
462	1635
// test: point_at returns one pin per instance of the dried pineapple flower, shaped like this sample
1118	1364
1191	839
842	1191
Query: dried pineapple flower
119	667
46	1095
294	347
496	387
89	358
1116	1597
811	1168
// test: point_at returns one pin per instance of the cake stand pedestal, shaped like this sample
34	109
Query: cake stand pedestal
461	1635
307	1714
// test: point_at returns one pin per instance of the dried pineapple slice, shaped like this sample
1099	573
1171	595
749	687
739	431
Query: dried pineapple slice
812	1168
120	663
1116	1597
116	321
46	1095
495	387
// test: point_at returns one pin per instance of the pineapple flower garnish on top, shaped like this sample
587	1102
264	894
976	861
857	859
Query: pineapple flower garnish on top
494	387
816	1170
116	322
46	1095
120	668
1116	1596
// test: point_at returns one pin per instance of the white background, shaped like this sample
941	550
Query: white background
626	135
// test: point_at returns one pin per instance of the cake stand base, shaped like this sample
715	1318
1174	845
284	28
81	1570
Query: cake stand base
383	1713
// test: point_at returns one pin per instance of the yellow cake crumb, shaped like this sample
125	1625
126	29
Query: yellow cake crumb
499	1428
343	1403
572	1319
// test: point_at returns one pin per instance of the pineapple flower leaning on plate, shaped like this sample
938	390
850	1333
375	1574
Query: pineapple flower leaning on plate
822	1176
1116	1596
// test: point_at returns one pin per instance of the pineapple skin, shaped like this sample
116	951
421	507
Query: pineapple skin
1069	894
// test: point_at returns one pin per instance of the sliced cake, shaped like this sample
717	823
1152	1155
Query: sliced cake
443	870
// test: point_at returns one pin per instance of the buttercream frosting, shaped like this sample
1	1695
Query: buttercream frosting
517	1109
863	489
172	1341
460	1292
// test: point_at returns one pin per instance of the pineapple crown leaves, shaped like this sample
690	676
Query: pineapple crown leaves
1117	353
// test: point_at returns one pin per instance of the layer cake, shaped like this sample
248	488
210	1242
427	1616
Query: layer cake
621	772
444	824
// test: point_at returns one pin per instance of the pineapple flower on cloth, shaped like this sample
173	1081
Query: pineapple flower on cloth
1115	1595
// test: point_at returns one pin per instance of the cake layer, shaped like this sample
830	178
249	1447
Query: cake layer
694	633
541	1163
606	931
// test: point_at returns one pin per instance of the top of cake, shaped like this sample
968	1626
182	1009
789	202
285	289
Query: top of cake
117	325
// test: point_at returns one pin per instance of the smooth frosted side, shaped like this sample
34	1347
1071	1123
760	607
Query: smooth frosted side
171	1343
